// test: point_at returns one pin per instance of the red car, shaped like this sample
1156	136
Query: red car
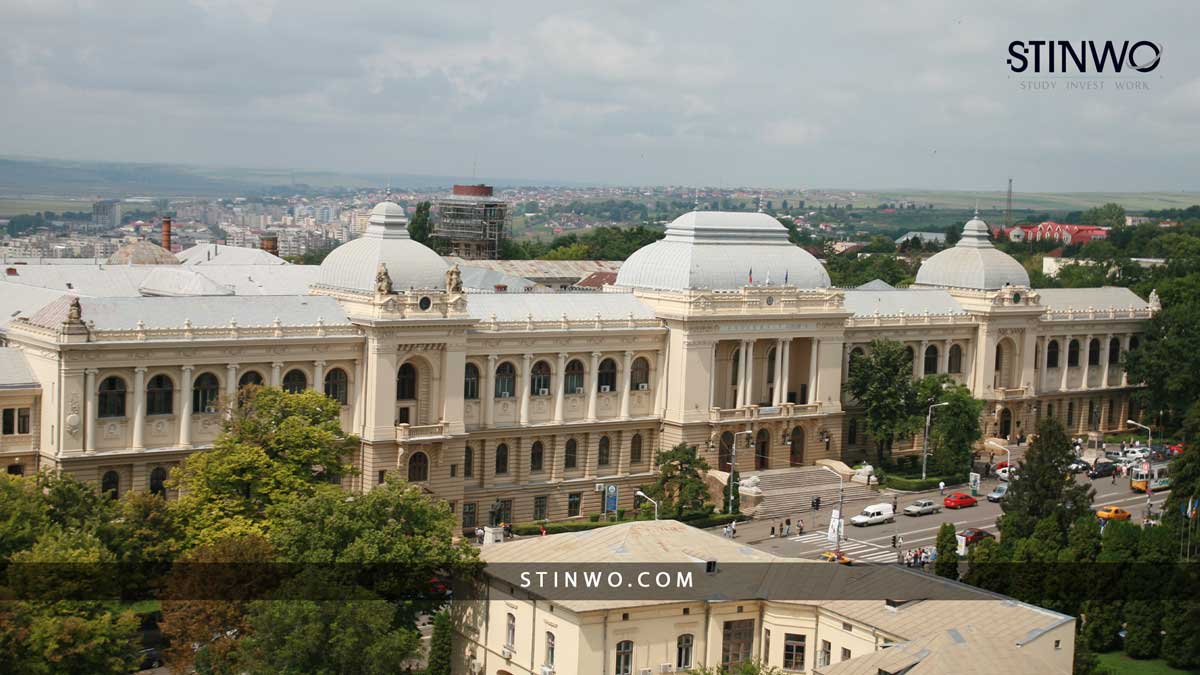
959	500
974	535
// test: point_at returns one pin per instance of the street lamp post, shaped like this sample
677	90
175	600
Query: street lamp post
733	466
841	505
1149	433
643	495
925	449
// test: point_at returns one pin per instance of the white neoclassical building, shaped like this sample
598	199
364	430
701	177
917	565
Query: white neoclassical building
533	399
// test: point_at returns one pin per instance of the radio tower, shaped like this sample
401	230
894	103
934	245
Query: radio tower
1008	207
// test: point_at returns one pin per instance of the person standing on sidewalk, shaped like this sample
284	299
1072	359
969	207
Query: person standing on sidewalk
942	486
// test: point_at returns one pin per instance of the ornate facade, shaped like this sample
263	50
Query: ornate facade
534	400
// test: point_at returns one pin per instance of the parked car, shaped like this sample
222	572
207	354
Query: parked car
1102	470
1006	473
1113	513
974	535
1135	453
874	514
959	500
1001	465
835	556
922	507
1114	453
1079	466
998	493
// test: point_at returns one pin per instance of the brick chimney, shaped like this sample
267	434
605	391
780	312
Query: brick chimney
166	232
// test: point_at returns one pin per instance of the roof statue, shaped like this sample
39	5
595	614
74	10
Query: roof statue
383	280
454	280
1155	303
74	312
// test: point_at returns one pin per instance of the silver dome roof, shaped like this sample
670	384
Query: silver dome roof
972	263
721	250
410	264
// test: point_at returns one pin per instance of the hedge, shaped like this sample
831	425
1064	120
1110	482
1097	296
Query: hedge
919	484
698	520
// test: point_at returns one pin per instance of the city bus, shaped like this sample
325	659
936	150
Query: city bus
1148	478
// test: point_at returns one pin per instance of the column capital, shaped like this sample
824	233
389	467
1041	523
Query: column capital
629	353
187	369
277	364
140	370
596	355
318	363
562	356
231	366
91	371
527	356
492	358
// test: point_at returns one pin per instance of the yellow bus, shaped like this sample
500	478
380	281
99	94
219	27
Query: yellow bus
1156	478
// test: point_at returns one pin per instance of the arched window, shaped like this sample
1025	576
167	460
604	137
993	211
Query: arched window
856	354
510	630
205	391
539	379
796	451
295	381
158	481
1052	354
762	450
406	383
337	386
1114	351
501	459
537	453
931	360
909	355
468	462
250	378
549	649
603	453
608	375
1094	352
110	484
624	658
640	374
160	395
112	398
771	365
1073	354
635	449
506	380
725	453
683	650
418	468
574	375
852	433
571	454
471	382
955	364
735	366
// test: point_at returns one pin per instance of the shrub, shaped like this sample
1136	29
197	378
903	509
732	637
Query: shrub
595	517
916	484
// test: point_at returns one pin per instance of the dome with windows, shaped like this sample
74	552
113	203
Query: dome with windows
410	264
714	250
972	263
142	252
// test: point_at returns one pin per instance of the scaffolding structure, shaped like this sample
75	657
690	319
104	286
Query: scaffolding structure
472	220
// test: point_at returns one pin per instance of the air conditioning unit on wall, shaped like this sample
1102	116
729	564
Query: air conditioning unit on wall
543	392
604	388
643	386
578	390
599	487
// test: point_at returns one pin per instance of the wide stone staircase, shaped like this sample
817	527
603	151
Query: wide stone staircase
789	492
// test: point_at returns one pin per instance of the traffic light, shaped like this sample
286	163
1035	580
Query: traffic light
894	541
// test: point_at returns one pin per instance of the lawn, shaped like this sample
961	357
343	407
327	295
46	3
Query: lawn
1119	664
16	207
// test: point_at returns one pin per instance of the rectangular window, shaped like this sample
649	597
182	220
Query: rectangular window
845	654
453	470
766	648
540	508
574	501
402	416
505	513
825	654
468	462
468	514
737	641
793	651
10	422
382	476
22	420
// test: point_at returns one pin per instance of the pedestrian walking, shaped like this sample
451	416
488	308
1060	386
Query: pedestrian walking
787	527
725	532
942	486
733	529
479	535
772	532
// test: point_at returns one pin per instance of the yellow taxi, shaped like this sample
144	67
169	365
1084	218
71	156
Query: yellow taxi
835	556
1113	513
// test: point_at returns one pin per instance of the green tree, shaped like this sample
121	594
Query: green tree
1142	628
946	564
954	430
1109	215
1041	489
1101	625
441	649
576	251
680	487
23	514
744	668
986	567
1167	358
420	227
881	381
1181	640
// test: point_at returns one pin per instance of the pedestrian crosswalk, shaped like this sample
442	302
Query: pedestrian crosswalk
856	550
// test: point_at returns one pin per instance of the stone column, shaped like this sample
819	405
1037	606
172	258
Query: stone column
91	412
1087	363
1064	362
1104	356
814	348
489	393
455	362
741	391
318	378
1124	374
231	382
776	399
626	383
1044	365
593	384
139	408
560	388
276	380
945	367
786	371
919	360
185	405
749	373
525	383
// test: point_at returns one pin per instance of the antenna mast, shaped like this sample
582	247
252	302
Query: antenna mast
1008	209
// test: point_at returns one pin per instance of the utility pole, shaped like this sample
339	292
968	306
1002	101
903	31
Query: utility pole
1008	210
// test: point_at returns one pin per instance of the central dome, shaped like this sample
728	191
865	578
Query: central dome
972	263
718	250
410	264
142	252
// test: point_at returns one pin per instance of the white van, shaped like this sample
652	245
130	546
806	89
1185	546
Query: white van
873	515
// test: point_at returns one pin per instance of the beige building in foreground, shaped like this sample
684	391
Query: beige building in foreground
518	631
538	402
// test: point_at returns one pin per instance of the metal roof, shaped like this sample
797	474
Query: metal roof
900	300
410	264
114	281
1078	299
220	254
973	262
552	306
212	311
14	370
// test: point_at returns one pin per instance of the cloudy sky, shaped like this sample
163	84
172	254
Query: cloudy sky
786	94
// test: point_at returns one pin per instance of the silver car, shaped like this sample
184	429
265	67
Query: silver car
922	507
998	493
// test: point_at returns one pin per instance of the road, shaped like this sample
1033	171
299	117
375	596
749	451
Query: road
874	543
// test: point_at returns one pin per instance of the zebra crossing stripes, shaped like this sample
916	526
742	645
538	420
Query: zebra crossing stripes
857	550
